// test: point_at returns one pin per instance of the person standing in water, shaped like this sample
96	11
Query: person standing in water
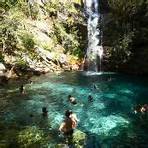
68	125
74	118
44	112
22	89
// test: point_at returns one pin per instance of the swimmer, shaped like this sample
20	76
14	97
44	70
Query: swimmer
72	100
22	89
67	126
141	108
44	112
74	118
90	98
144	108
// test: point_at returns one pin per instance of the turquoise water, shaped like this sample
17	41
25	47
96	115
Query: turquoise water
108	121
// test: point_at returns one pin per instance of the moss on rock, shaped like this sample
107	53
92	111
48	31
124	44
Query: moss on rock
30	137
79	138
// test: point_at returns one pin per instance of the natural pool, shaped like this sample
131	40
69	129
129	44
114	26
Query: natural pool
108	121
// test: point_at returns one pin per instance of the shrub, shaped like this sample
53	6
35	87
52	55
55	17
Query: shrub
27	41
21	63
1	57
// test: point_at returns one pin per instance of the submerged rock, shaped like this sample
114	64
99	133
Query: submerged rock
61	146
79	138
30	136
76	141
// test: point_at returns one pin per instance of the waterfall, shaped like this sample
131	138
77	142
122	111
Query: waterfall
94	50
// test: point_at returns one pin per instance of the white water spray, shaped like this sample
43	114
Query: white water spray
94	50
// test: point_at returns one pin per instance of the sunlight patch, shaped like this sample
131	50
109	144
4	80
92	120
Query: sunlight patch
126	91
98	106
104	125
54	86
110	95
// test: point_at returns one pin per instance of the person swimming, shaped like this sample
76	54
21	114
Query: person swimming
44	112
22	89
72	100
95	87
141	108
144	108
90	98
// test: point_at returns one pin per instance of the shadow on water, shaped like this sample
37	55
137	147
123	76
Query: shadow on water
92	140
141	97
127	139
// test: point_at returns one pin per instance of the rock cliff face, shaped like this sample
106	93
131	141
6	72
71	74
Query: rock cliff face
43	36
40	36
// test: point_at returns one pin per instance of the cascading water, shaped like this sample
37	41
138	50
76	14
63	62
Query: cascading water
94	49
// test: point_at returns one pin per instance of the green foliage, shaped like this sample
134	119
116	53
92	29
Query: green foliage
27	40
47	47
1	57
11	21
34	11
78	52
126	30
127	15
121	53
22	63
79	138
55	6
68	40
52	7
7	4
23	7
16	37
66	33
122	9
8	39
71	9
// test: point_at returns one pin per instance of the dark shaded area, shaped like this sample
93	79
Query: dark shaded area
125	34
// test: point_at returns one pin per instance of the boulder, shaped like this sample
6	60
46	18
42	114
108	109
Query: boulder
12	74
63	59
75	67
2	67
44	54
30	137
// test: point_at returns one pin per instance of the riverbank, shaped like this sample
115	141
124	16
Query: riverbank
10	69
